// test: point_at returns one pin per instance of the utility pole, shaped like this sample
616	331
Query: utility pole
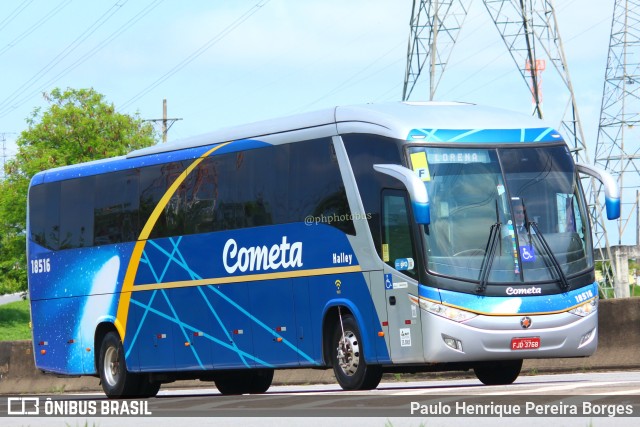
166	122
3	140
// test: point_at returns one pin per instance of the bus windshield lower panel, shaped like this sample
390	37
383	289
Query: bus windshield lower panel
530	196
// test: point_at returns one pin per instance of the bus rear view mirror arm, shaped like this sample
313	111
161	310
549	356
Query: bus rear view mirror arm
611	190
416	188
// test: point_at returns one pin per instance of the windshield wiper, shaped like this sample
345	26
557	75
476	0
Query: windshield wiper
489	253
564	283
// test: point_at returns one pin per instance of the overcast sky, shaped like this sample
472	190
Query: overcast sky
228	62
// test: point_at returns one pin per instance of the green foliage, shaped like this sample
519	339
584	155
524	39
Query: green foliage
14	321
79	126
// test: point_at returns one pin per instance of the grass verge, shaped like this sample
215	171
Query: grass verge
14	321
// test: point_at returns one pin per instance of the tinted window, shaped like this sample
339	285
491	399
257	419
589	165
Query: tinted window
37	214
201	197
262	177
248	190
154	182
116	207
364	151
44	215
252	188
315	186
397	237
76	217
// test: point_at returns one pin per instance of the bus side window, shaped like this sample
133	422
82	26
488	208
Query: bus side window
397	240
116	208
44	215
154	182
315	186
76	213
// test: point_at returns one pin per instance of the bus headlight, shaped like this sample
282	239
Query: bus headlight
586	308
441	310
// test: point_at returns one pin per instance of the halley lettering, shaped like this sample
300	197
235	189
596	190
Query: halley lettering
261	258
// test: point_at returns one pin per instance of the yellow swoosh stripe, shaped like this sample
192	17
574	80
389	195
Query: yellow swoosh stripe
134	261
247	278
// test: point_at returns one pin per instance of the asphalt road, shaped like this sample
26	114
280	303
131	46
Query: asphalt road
6	299
550	400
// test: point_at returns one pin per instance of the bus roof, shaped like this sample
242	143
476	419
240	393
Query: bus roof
395	120
411	121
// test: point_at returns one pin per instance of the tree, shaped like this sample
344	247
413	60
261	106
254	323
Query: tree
78	126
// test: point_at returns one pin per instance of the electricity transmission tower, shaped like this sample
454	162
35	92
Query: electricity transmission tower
529	30
617	147
530	33
435	26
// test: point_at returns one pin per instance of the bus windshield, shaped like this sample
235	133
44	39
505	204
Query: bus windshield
529	196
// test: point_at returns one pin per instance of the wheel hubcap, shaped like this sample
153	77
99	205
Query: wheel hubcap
348	353
111	366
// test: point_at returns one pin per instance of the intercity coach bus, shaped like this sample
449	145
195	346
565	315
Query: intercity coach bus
398	237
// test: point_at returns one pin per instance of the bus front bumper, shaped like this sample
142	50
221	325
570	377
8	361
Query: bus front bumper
509	337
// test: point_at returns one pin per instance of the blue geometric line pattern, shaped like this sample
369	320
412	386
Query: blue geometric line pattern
222	327
176	258
261	324
205	335
144	316
488	136
186	336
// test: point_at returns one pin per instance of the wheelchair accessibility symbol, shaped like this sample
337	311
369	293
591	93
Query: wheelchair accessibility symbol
527	253
388	282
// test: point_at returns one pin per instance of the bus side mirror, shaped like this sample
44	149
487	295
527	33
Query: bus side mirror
611	190
416	188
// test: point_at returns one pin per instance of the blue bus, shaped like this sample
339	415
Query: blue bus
400	237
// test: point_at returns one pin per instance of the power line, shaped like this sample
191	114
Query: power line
356	77
97	48
62	55
53	12
213	41
22	6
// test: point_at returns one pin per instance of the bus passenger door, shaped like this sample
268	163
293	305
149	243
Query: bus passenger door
400	278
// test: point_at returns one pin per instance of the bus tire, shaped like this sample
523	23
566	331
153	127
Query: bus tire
347	356
147	388
498	373
250	381
116	381
261	381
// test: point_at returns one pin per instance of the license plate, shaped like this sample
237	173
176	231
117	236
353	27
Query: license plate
532	343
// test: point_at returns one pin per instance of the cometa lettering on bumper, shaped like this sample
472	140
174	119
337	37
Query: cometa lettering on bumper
524	291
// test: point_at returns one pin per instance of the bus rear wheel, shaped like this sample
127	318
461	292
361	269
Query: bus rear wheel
347	356
250	381
147	388
498	373
116	381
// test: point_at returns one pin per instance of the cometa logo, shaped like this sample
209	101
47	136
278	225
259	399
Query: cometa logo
261	258
524	291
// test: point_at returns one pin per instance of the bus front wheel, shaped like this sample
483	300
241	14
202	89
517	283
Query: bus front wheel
347	356
499	372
